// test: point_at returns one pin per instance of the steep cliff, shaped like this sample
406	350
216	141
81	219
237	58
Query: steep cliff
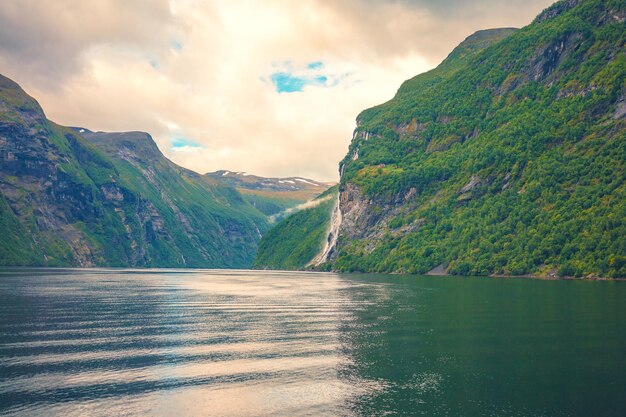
508	158
75	197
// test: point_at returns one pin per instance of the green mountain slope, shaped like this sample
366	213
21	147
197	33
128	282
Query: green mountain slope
296	240
508	158
75	197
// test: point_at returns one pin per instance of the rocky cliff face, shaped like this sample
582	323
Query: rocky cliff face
506	159
82	198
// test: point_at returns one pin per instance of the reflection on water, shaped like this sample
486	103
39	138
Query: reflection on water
175	342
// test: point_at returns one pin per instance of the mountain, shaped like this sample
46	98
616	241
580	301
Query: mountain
508	158
270	195
72	197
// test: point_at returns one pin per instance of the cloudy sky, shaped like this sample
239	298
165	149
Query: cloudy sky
271	87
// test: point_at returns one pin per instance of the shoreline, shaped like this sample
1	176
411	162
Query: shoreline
528	276
192	269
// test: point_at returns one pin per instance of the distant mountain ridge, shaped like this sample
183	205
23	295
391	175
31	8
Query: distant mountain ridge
247	181
509	158
270	195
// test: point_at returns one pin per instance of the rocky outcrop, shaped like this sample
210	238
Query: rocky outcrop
548	57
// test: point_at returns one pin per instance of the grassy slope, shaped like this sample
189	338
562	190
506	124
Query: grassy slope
293	242
532	117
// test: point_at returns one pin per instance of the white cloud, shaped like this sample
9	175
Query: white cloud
195	69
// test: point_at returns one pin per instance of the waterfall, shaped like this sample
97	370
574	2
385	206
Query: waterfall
331	237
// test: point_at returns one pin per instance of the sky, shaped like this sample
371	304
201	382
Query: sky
269	87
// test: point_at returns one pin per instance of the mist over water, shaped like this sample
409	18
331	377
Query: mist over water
194	342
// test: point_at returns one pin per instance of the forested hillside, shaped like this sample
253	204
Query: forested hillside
508	158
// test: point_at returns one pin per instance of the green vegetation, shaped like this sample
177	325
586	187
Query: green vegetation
295	241
509	158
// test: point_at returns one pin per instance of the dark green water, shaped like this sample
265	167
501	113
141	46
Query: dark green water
245	343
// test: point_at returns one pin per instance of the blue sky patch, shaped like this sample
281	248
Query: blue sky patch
317	65
288	78
181	142
288	83
177	46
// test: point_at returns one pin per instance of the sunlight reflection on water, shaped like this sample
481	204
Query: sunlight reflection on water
244	343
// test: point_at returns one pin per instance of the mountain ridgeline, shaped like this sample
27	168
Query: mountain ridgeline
72	197
272	196
508	158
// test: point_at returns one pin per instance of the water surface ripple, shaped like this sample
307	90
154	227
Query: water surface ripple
251	343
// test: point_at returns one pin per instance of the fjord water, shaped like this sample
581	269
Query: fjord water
178	342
